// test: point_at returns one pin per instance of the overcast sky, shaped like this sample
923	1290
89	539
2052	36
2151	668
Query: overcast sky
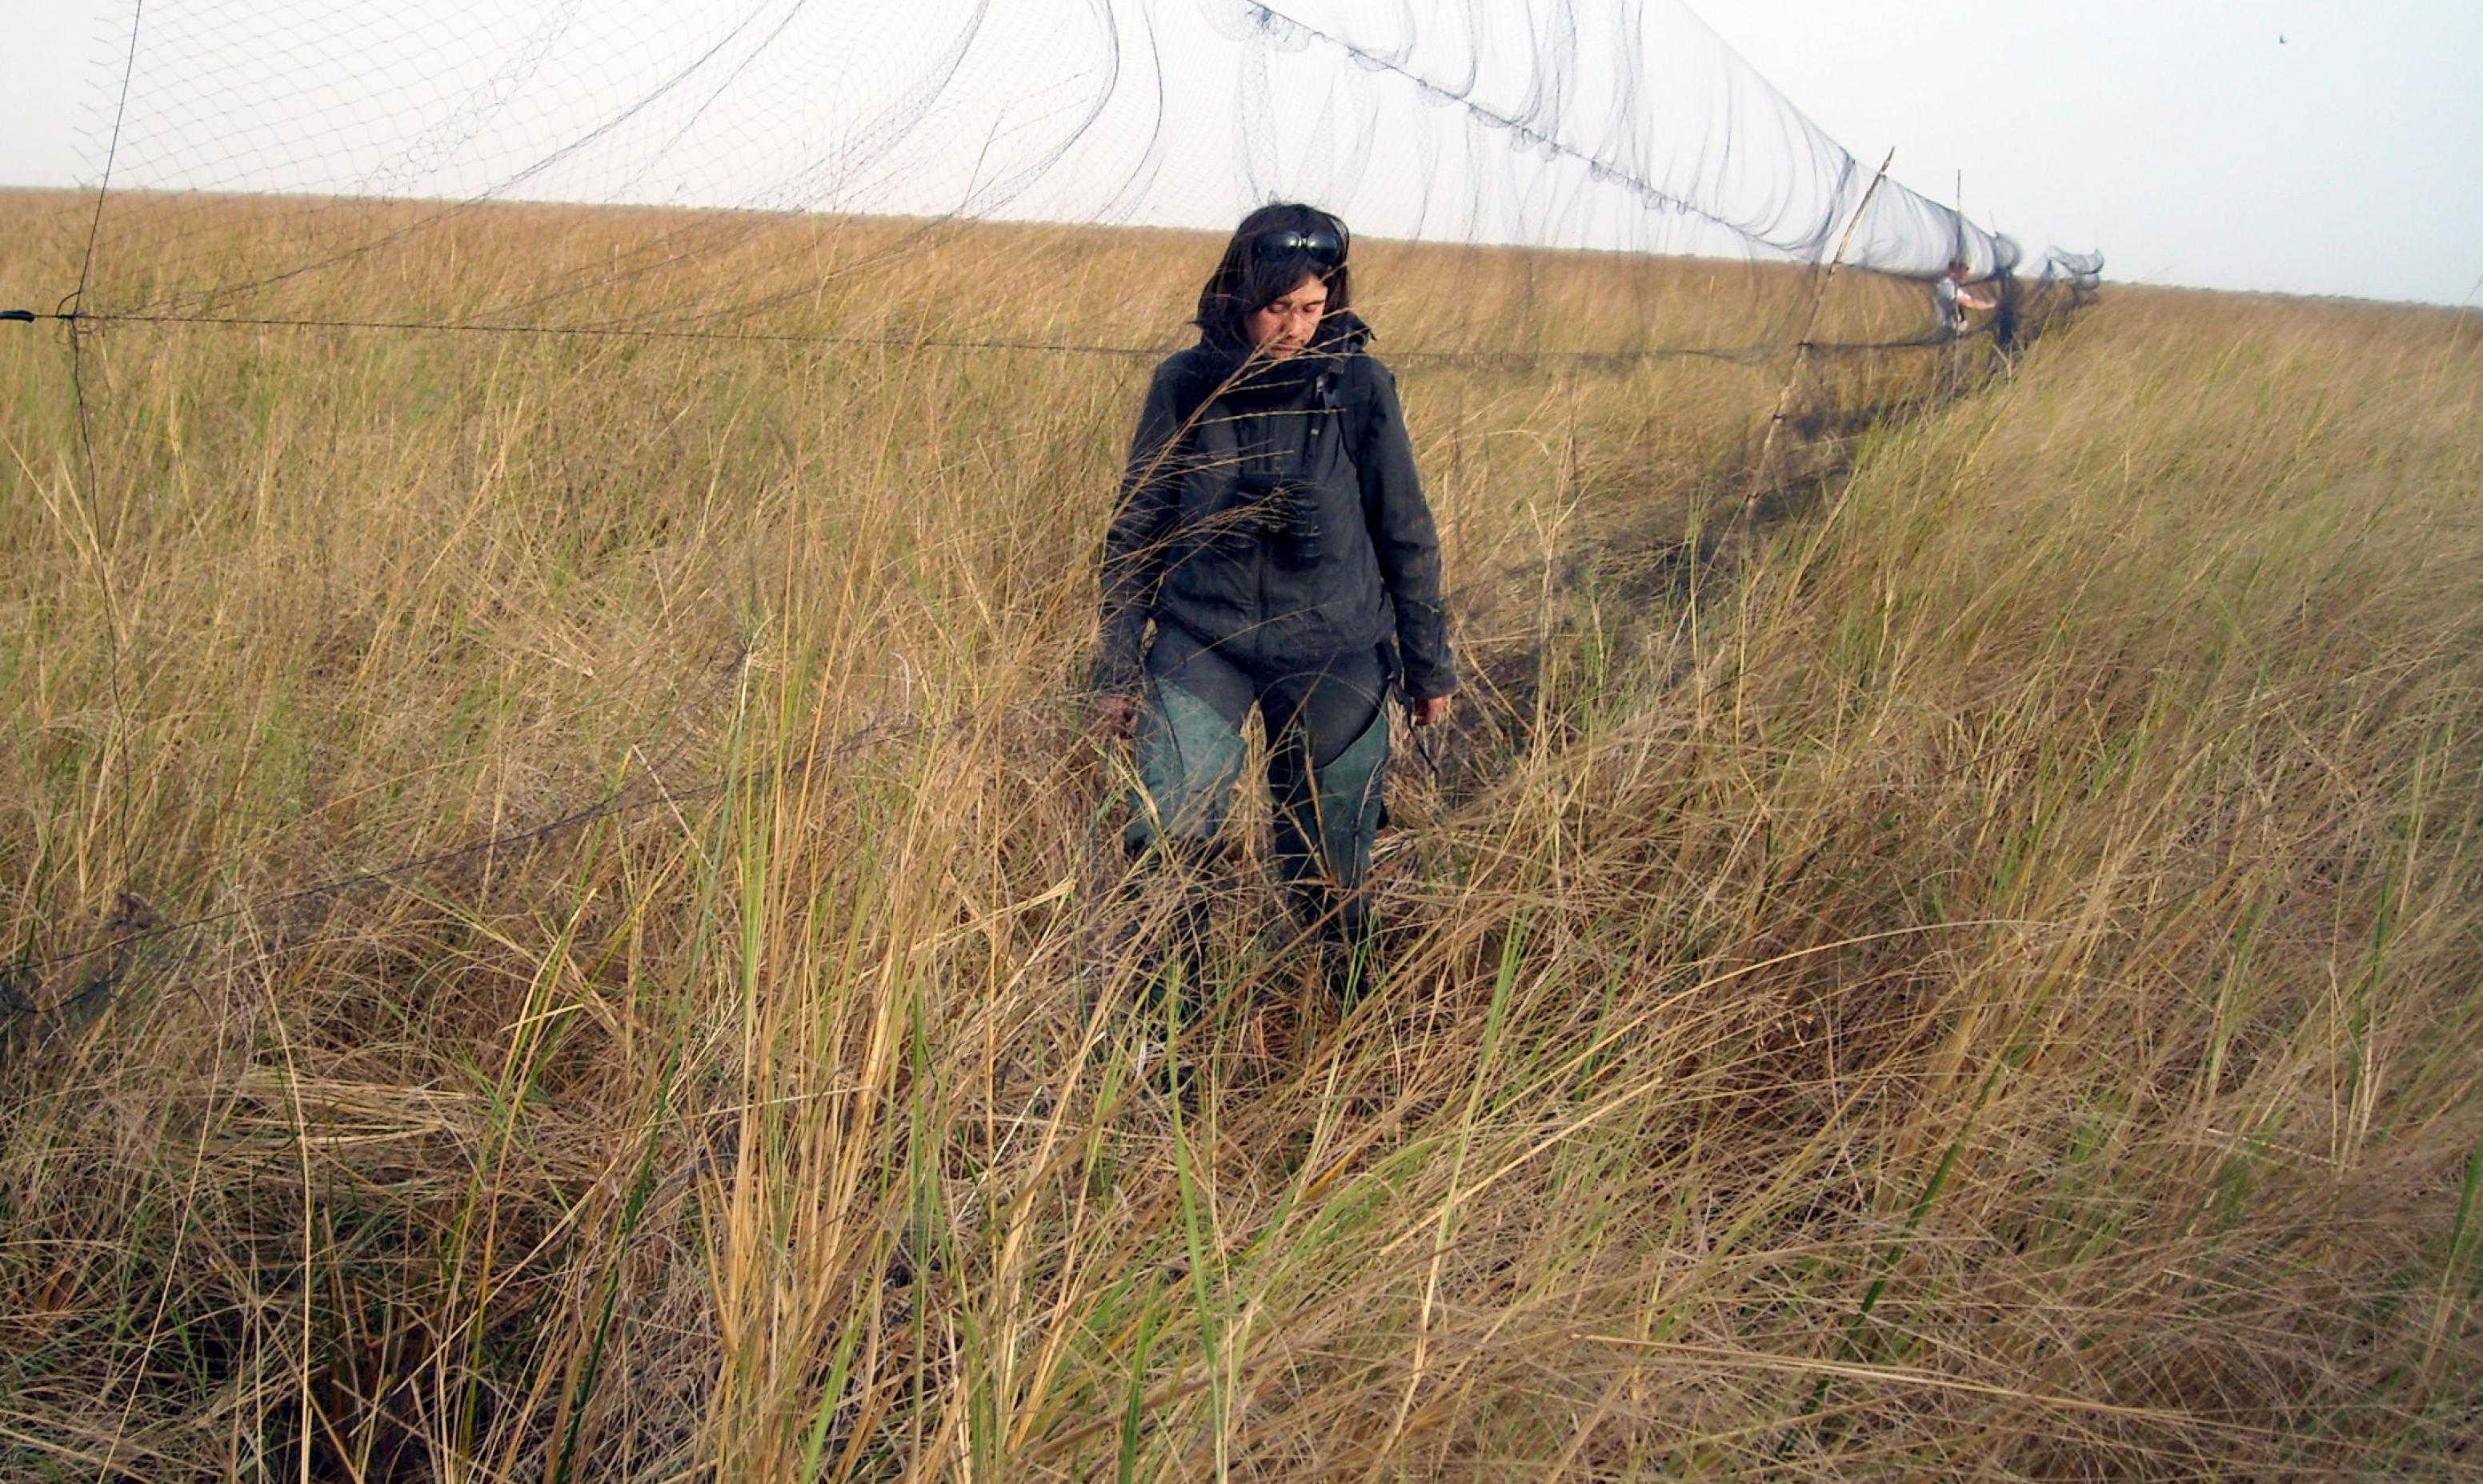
2296	146
2184	138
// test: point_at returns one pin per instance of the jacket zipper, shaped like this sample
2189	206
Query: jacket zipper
1259	564
1305	469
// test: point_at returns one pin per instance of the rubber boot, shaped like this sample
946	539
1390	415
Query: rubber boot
1326	821
1172	962
1188	758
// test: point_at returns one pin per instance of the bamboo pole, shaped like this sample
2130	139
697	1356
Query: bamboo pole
1802	347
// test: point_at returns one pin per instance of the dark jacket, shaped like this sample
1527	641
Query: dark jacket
1190	542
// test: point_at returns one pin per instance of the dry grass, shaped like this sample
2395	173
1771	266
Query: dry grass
1986	989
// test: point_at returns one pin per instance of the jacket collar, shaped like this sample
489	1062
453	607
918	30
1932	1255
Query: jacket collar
1235	374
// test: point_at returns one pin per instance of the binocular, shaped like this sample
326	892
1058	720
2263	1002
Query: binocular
1285	514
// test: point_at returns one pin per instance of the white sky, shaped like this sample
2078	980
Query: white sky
2181	138
2177	136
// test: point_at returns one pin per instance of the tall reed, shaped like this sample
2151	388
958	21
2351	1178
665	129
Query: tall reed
1975	977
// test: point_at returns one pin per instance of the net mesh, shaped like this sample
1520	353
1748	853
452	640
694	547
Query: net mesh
618	203
518	454
279	159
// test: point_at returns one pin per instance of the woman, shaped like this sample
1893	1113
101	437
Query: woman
1273	535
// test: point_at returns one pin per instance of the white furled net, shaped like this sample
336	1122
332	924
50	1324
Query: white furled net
1600	124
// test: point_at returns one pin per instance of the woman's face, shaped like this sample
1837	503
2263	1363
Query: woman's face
1286	324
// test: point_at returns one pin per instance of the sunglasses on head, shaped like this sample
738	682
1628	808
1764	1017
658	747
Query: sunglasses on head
1325	247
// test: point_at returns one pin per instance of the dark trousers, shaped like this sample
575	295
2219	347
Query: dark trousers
1327	730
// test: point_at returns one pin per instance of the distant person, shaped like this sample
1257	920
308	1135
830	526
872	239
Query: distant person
1951	298
1271	549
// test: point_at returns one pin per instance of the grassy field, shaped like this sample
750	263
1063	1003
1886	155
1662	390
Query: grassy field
1978	980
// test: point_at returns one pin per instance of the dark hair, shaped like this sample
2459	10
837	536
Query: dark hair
1244	282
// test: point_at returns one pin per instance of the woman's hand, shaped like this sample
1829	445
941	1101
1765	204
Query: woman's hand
1429	711
1116	716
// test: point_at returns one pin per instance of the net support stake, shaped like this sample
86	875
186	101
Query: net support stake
1802	348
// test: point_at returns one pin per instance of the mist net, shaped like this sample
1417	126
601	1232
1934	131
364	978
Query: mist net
354	137
522	335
